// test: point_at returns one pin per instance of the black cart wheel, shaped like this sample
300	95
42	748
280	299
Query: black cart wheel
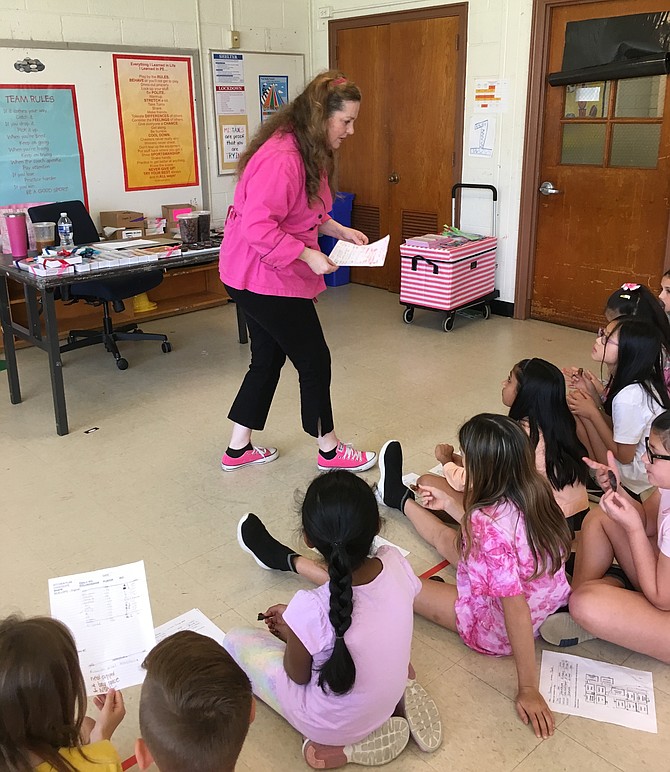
71	339
448	324
408	315
122	363
487	311
138	331
166	346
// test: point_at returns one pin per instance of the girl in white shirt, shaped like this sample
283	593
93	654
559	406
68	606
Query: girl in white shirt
635	394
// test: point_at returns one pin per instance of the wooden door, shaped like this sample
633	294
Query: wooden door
606	150
402	159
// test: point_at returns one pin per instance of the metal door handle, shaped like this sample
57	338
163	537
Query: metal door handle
548	189
394	178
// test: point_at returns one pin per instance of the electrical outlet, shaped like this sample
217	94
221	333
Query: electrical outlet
234	38
325	11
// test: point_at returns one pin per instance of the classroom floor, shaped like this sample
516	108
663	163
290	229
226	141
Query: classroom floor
148	485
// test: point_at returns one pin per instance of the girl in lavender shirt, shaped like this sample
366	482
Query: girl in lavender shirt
340	668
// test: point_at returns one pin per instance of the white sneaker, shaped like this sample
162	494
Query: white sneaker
423	717
560	629
379	747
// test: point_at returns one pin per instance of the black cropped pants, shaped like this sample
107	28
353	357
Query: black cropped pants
281	327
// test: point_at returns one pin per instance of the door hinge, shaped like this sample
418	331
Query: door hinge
458	42
453	159
337	56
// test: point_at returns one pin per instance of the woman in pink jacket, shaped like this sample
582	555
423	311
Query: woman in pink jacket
273	269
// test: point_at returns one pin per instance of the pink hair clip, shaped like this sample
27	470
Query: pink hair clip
630	287
338	81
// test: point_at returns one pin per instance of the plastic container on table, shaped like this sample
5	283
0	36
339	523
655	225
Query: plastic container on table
341	212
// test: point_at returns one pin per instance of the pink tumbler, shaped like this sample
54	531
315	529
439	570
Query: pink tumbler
18	235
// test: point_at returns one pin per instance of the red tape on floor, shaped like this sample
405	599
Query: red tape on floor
432	571
128	763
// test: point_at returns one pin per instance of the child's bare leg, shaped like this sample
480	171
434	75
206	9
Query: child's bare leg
436	602
454	507
433	530
602	540
623	617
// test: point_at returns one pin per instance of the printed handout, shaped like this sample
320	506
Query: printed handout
380	541
362	255
598	690
109	614
193	620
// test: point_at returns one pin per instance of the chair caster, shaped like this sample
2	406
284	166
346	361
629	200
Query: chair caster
166	346
122	363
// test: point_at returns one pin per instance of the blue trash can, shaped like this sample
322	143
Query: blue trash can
341	212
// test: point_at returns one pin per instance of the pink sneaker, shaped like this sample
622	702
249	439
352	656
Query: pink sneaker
347	457
253	456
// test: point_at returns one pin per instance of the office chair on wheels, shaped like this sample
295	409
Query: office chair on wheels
101	291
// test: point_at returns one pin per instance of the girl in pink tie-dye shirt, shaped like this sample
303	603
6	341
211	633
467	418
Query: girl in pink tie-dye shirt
509	552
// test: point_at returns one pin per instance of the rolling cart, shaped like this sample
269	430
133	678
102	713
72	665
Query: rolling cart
453	276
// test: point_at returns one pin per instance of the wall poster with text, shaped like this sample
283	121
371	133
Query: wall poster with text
154	96
41	157
273	93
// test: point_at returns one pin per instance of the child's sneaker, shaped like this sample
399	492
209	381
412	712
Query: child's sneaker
255	455
422	714
560	629
269	553
393	491
379	747
347	457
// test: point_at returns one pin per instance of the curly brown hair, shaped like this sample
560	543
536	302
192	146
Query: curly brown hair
306	116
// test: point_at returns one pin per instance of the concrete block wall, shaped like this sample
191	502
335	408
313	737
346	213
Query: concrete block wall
498	46
264	25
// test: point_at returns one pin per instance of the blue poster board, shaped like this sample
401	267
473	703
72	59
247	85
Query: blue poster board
41	157
272	92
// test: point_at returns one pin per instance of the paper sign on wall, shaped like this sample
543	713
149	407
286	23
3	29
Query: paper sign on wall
491	95
482	136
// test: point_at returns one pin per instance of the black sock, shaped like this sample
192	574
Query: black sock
328	454
239	452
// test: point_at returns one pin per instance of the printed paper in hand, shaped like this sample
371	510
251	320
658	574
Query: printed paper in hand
598	690
192	620
109	614
365	255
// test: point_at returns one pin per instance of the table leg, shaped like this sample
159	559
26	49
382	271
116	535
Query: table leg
241	325
8	341
30	295
55	363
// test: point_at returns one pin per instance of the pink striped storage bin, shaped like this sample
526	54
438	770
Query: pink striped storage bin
447	278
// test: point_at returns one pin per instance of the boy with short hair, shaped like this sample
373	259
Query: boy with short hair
195	708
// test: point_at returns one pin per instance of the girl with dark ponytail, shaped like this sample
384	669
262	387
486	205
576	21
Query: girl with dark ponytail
340	671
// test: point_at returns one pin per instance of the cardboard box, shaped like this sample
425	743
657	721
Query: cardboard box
121	218
170	212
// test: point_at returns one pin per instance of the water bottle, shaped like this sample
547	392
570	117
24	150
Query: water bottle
65	231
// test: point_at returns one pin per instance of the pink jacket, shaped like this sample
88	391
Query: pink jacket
272	222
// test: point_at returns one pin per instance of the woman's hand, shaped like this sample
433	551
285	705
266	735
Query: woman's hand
352	235
112	710
319	263
581	404
274	619
531	707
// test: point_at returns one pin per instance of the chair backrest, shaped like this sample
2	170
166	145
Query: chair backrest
83	227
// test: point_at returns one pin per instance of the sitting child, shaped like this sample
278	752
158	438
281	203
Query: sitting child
43	724
338	666
629	603
195	708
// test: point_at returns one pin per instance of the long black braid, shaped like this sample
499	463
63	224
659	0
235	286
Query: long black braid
340	518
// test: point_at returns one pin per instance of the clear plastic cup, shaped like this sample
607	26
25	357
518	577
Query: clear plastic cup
188	227
45	235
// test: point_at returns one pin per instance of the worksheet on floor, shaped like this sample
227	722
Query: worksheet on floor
598	690
193	620
109	614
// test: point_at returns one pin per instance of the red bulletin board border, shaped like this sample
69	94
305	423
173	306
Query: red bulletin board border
77	128
187	59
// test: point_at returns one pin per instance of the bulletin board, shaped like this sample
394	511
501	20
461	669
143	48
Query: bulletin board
246	88
86	135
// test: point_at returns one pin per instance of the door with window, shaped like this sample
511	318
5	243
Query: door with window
604	188
402	160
